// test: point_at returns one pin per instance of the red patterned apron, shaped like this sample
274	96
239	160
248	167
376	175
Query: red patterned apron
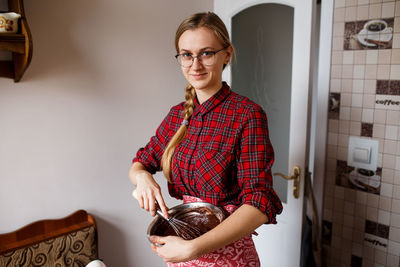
237	254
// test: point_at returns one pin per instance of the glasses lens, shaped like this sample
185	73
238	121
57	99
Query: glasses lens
207	58
184	61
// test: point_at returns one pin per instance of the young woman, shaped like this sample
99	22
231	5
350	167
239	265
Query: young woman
213	147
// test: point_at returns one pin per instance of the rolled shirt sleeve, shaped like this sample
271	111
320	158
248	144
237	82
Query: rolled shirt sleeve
254	162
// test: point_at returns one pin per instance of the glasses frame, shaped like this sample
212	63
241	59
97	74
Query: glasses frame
199	57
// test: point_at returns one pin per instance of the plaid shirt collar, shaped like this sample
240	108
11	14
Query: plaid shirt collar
213	101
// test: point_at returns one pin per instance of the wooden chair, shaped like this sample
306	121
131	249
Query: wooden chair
70	241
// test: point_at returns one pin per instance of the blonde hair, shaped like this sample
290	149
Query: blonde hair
211	21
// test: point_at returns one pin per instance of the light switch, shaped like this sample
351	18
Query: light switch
362	155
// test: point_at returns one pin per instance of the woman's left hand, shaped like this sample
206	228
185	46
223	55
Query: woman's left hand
173	249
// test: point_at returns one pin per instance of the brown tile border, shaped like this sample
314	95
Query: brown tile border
377	229
388	87
366	129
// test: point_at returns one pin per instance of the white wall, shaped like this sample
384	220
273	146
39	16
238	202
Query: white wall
102	78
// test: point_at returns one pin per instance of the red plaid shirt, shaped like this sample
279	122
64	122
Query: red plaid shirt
226	157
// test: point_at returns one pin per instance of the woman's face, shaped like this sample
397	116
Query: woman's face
205	79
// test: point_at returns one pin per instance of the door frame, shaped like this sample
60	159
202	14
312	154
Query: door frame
320	103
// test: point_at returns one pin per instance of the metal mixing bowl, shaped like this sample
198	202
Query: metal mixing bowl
183	210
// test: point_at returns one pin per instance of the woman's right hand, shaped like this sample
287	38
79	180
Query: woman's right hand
147	191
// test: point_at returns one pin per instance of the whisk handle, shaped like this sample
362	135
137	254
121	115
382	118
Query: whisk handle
159	212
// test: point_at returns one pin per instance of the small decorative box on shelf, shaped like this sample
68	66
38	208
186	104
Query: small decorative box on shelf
9	22
15	37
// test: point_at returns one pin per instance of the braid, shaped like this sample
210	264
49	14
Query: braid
166	160
189	104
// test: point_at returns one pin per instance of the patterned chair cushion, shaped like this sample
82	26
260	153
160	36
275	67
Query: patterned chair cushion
74	249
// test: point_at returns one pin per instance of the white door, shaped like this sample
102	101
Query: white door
272	40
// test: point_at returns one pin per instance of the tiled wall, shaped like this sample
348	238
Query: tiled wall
361	214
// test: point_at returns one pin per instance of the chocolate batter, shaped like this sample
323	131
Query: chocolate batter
200	218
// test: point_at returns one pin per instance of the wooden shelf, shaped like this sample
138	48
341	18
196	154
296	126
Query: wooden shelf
20	44
12	42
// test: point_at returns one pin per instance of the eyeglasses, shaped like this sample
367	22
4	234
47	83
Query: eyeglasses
207	58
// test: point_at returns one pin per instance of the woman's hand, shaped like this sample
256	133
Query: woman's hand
174	249
147	191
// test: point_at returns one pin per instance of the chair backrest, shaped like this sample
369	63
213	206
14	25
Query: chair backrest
70	241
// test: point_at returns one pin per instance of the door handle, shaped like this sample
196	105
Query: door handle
296	180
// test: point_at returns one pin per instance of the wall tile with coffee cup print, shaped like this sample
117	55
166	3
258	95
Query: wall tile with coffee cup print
368	34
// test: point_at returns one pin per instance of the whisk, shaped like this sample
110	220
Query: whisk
181	228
